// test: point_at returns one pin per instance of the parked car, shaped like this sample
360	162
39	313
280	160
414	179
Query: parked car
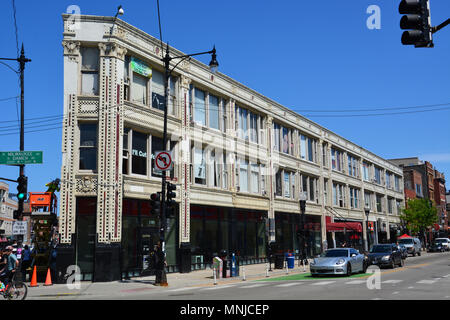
385	255
436	246
445	243
343	261
403	250
413	245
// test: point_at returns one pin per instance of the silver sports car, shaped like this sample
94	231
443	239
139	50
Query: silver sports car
344	261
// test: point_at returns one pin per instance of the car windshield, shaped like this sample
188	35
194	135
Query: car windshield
406	241
378	249
436	243
335	253
440	240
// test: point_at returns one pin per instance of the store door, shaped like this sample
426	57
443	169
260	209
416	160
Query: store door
147	241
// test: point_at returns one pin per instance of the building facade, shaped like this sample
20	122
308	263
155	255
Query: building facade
241	161
7	207
422	180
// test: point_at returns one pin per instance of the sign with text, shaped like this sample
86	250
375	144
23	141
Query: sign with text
19	227
20	157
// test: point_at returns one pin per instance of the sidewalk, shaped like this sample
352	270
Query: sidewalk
175	280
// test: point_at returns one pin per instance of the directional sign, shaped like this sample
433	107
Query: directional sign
163	160
20	157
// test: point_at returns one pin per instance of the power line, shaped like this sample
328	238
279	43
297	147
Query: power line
10	98
376	109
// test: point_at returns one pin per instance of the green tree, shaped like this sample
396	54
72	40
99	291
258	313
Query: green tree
419	215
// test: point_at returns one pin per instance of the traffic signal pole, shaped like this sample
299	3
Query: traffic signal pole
22	61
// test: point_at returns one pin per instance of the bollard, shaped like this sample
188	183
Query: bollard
215	278
243	274
287	270
267	272
304	265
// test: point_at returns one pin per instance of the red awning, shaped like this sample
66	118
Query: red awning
405	236
344	226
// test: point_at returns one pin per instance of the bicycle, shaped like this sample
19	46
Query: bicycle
15	289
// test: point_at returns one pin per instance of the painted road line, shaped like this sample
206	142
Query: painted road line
254	285
426	281
218	287
356	282
180	289
288	284
391	281
322	283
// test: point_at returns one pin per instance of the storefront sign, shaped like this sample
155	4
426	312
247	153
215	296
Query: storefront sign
140	67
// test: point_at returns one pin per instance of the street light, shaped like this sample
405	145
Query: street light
120	12
302	200
213	65
367	242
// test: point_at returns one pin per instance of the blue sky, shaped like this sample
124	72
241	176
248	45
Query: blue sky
306	55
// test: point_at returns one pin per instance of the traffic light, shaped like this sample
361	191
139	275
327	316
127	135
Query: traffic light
16	214
171	195
22	188
155	202
417	21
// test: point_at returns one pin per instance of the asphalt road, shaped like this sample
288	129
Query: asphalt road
422	278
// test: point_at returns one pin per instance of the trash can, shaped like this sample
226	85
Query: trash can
279	261
218	267
290	260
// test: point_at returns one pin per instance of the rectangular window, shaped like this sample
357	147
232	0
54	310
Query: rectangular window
379	203
224	171
310	150
287	185
336	159
354	198
224	115
367	200
338	195
303	147
125	152
172	96
285	141
353	166
388	180
278	185
254	183
325	191
397	183
276	136
253	127
324	155
199	165
157	145
377	175
88	146
390	205
139	89
243	176
366	176
139	153
199	107
243	126
158	96
213	112
89	71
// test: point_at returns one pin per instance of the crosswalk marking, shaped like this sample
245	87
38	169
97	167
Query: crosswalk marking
426	281
356	282
392	281
322	283
288	284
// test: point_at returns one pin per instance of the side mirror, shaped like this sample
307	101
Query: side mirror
353	255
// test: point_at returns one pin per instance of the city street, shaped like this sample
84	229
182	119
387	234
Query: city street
422	278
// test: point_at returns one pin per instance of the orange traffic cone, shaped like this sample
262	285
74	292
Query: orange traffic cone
33	282
48	280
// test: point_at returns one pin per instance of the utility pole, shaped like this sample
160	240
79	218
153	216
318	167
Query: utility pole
22	60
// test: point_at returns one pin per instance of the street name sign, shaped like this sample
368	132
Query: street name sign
20	157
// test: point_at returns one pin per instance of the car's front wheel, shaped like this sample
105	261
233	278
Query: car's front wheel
349	269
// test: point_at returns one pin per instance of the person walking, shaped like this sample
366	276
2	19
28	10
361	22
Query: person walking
26	262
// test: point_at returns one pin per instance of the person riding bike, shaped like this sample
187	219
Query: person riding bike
11	265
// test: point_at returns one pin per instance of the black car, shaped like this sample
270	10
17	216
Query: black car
436	247
385	255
